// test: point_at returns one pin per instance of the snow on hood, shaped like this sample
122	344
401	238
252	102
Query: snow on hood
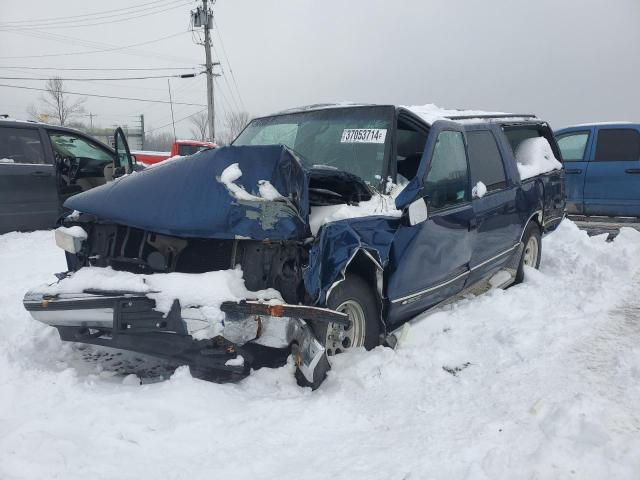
204	291
534	157
382	205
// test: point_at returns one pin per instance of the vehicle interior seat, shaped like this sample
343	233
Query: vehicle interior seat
408	166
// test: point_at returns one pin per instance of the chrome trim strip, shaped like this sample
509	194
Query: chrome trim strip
444	284
494	257
430	289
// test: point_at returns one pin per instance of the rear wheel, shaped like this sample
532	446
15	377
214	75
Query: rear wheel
532	251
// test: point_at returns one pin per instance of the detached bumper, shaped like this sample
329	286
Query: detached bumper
262	334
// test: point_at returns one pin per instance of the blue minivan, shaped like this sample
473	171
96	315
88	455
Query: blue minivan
602	169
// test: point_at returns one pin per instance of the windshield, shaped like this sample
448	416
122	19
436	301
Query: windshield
352	139
69	145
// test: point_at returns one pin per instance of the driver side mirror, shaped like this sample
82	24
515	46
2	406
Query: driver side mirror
417	211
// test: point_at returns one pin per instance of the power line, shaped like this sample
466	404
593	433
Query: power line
104	69
177	121
103	96
107	84
67	17
111	49
143	13
186	75
224	51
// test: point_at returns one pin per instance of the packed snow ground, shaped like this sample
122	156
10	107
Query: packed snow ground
539	381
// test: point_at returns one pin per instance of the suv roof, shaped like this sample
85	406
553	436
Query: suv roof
428	113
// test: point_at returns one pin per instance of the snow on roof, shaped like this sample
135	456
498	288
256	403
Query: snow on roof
598	124
431	113
11	119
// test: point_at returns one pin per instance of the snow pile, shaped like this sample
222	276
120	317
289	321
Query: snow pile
534	156
378	205
431	113
479	190
268	191
205	291
265	188
539	381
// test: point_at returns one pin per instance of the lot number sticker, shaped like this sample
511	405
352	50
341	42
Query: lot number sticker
363	135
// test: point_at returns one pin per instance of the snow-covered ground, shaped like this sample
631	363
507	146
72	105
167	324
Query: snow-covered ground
539	381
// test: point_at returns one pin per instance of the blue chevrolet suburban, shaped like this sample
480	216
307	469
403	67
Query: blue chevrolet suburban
360	216
602	171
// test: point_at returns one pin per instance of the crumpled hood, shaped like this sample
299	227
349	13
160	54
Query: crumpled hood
186	197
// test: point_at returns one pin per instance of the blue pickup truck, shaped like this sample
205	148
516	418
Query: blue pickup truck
349	219
602	170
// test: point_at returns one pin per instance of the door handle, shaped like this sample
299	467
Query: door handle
41	174
573	171
632	170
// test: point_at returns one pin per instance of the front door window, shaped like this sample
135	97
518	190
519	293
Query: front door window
447	182
573	145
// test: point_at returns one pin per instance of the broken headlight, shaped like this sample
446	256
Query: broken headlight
70	239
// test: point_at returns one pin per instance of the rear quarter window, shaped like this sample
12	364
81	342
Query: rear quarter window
516	136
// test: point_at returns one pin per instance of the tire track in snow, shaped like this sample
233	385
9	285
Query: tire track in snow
612	352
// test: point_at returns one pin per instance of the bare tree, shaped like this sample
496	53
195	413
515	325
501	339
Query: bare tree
159	141
200	126
56	104
234	122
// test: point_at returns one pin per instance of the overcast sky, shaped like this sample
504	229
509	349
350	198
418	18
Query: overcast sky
568	61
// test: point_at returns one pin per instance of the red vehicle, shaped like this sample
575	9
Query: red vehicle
179	147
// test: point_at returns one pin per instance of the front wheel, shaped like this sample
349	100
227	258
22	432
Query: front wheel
532	251
354	297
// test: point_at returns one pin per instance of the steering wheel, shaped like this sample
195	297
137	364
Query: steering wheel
69	166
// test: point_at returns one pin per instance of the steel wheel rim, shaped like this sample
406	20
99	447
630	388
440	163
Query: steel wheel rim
531	252
339	339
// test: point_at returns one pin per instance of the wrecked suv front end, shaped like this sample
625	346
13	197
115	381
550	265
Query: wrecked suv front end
199	264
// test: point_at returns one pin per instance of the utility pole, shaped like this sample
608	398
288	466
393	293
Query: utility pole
141	131
91	115
172	119
208	23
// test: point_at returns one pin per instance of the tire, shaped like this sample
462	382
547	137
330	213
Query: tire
532	252
354	297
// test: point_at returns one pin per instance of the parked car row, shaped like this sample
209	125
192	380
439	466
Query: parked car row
346	220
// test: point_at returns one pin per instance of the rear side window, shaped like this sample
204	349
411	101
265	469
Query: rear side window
20	145
447	182
519	134
572	146
485	160
618	144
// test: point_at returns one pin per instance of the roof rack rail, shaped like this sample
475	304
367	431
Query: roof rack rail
506	115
